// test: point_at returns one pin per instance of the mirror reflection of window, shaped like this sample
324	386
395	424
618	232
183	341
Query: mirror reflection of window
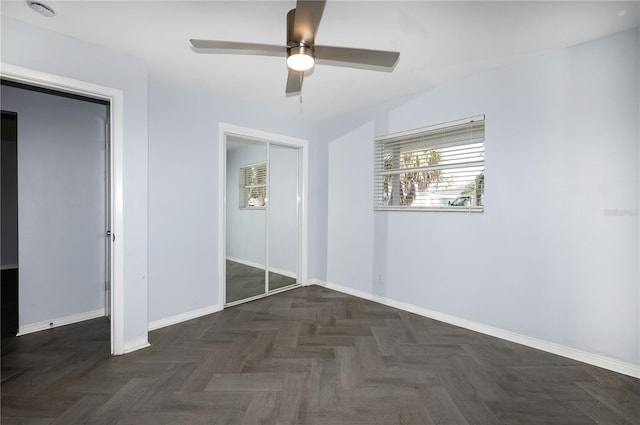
253	185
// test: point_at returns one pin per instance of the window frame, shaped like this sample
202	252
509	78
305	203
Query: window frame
406	138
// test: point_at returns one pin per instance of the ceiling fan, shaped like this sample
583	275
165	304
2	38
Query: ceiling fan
301	51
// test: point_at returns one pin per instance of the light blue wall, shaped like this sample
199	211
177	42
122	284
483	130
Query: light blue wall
30	47
555	255
318	199
350	220
183	207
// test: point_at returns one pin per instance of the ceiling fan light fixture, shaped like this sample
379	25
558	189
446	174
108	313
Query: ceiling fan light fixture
300	58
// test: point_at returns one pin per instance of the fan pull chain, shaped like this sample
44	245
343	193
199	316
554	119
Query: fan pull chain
300	75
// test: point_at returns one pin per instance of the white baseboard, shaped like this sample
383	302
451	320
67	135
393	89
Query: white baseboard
283	272
550	347
317	282
60	321
136	344
183	317
312	281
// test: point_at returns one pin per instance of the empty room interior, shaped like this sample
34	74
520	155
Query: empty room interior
320	212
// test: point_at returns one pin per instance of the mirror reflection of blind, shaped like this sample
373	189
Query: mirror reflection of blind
431	168
253	185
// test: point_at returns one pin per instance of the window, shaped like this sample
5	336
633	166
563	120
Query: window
438	168
253	185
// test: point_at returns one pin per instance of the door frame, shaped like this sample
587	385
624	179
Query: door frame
225	130
115	98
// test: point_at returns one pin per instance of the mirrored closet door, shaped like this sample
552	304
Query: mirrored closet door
262	218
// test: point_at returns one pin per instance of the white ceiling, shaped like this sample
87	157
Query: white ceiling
437	41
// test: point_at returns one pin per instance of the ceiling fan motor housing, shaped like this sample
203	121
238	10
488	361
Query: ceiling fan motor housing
297	46
301	50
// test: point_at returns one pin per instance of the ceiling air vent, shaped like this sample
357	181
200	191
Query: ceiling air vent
43	7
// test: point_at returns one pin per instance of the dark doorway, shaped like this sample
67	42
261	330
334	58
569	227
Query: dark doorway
62	199
9	223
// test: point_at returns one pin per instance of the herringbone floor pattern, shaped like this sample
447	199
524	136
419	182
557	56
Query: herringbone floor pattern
306	356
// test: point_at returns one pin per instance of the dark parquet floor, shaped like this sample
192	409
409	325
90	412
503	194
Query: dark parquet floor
305	356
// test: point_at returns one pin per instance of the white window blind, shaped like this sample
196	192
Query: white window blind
253	185
439	168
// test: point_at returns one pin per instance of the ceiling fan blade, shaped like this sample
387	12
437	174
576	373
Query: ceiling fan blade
237	48
307	20
294	83
375	60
